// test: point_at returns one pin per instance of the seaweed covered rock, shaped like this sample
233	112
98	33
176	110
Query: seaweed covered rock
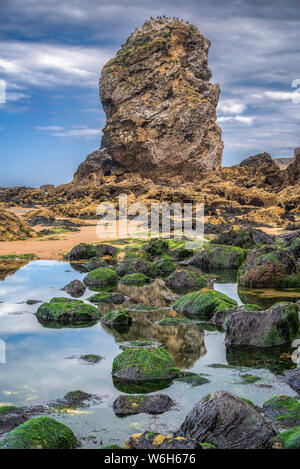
106	297
75	288
76	398
40	433
215	256
156	247
67	311
227	422
276	326
94	263
153	440
102	277
163	267
289	439
285	410
204	304
137	404
139	266
246	238
181	253
82	251
135	279
182	281
117	318
295	248
144	363
269	266
220	317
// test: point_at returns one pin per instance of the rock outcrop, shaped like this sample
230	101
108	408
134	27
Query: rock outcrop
159	104
13	227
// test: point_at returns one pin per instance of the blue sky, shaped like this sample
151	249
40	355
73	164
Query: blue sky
52	52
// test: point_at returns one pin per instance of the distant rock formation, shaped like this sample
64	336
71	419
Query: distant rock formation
160	106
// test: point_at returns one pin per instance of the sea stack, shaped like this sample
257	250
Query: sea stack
160	106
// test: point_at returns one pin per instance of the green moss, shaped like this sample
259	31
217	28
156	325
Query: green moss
207	446
40	433
156	247
116	318
7	408
101	277
147	363
251	307
173	321
135	279
66	310
284	408
193	379
290	439
111	447
249	379
289	326
204	304
215	256
103	297
164	266
247	401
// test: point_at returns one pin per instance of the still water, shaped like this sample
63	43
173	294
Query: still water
43	364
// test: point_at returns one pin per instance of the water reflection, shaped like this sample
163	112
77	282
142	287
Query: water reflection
155	294
268	296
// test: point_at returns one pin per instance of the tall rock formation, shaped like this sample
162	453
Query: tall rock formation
160	106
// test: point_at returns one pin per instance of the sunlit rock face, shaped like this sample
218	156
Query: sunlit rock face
159	104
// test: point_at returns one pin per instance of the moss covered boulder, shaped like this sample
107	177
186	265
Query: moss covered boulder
204	304
40	433
215	256
289	439
135	279
156	247
145	364
295	248
75	288
183	281
267	267
139	266
164	267
102	277
117	318
67	311
285	410
276	326
94	263
82	251
243	238
107	297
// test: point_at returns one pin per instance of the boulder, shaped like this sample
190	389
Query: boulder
285	410
204	304
244	238
289	439
164	266
182	281
67	311
145	364
40	433
293	379
276	326
137	404
75	288
135	279
227	422
102	277
214	256
267	267
156	247
106	297
117	318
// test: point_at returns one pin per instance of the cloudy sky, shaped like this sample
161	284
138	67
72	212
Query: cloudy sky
52	51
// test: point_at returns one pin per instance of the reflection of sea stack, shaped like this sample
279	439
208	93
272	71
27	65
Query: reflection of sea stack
159	104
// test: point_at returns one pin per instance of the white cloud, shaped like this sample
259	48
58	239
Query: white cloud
293	96
242	119
51	65
231	106
73	131
15	96
50	127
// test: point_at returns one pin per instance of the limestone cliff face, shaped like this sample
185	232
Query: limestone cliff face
159	104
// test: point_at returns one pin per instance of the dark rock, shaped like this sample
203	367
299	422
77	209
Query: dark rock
293	379
75	288
227	422
244	238
182	281
215	256
154	441
276	326
33	302
285	410
94	263
137	404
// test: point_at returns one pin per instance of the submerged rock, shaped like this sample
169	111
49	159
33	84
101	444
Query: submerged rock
182	281
153	440
276	326
40	433
269	266
65	310
75	288
102	277
146	364
227	422
137	404
204	304
215	256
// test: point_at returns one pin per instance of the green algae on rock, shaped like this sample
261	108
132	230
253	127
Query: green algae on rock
215	256
243	238
116	318
284	409
102	277
172	321
66	310
193	379
156	247
289	439
136	404
106	297
135	279
182	281
164	266
204	304
40	433
144	364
